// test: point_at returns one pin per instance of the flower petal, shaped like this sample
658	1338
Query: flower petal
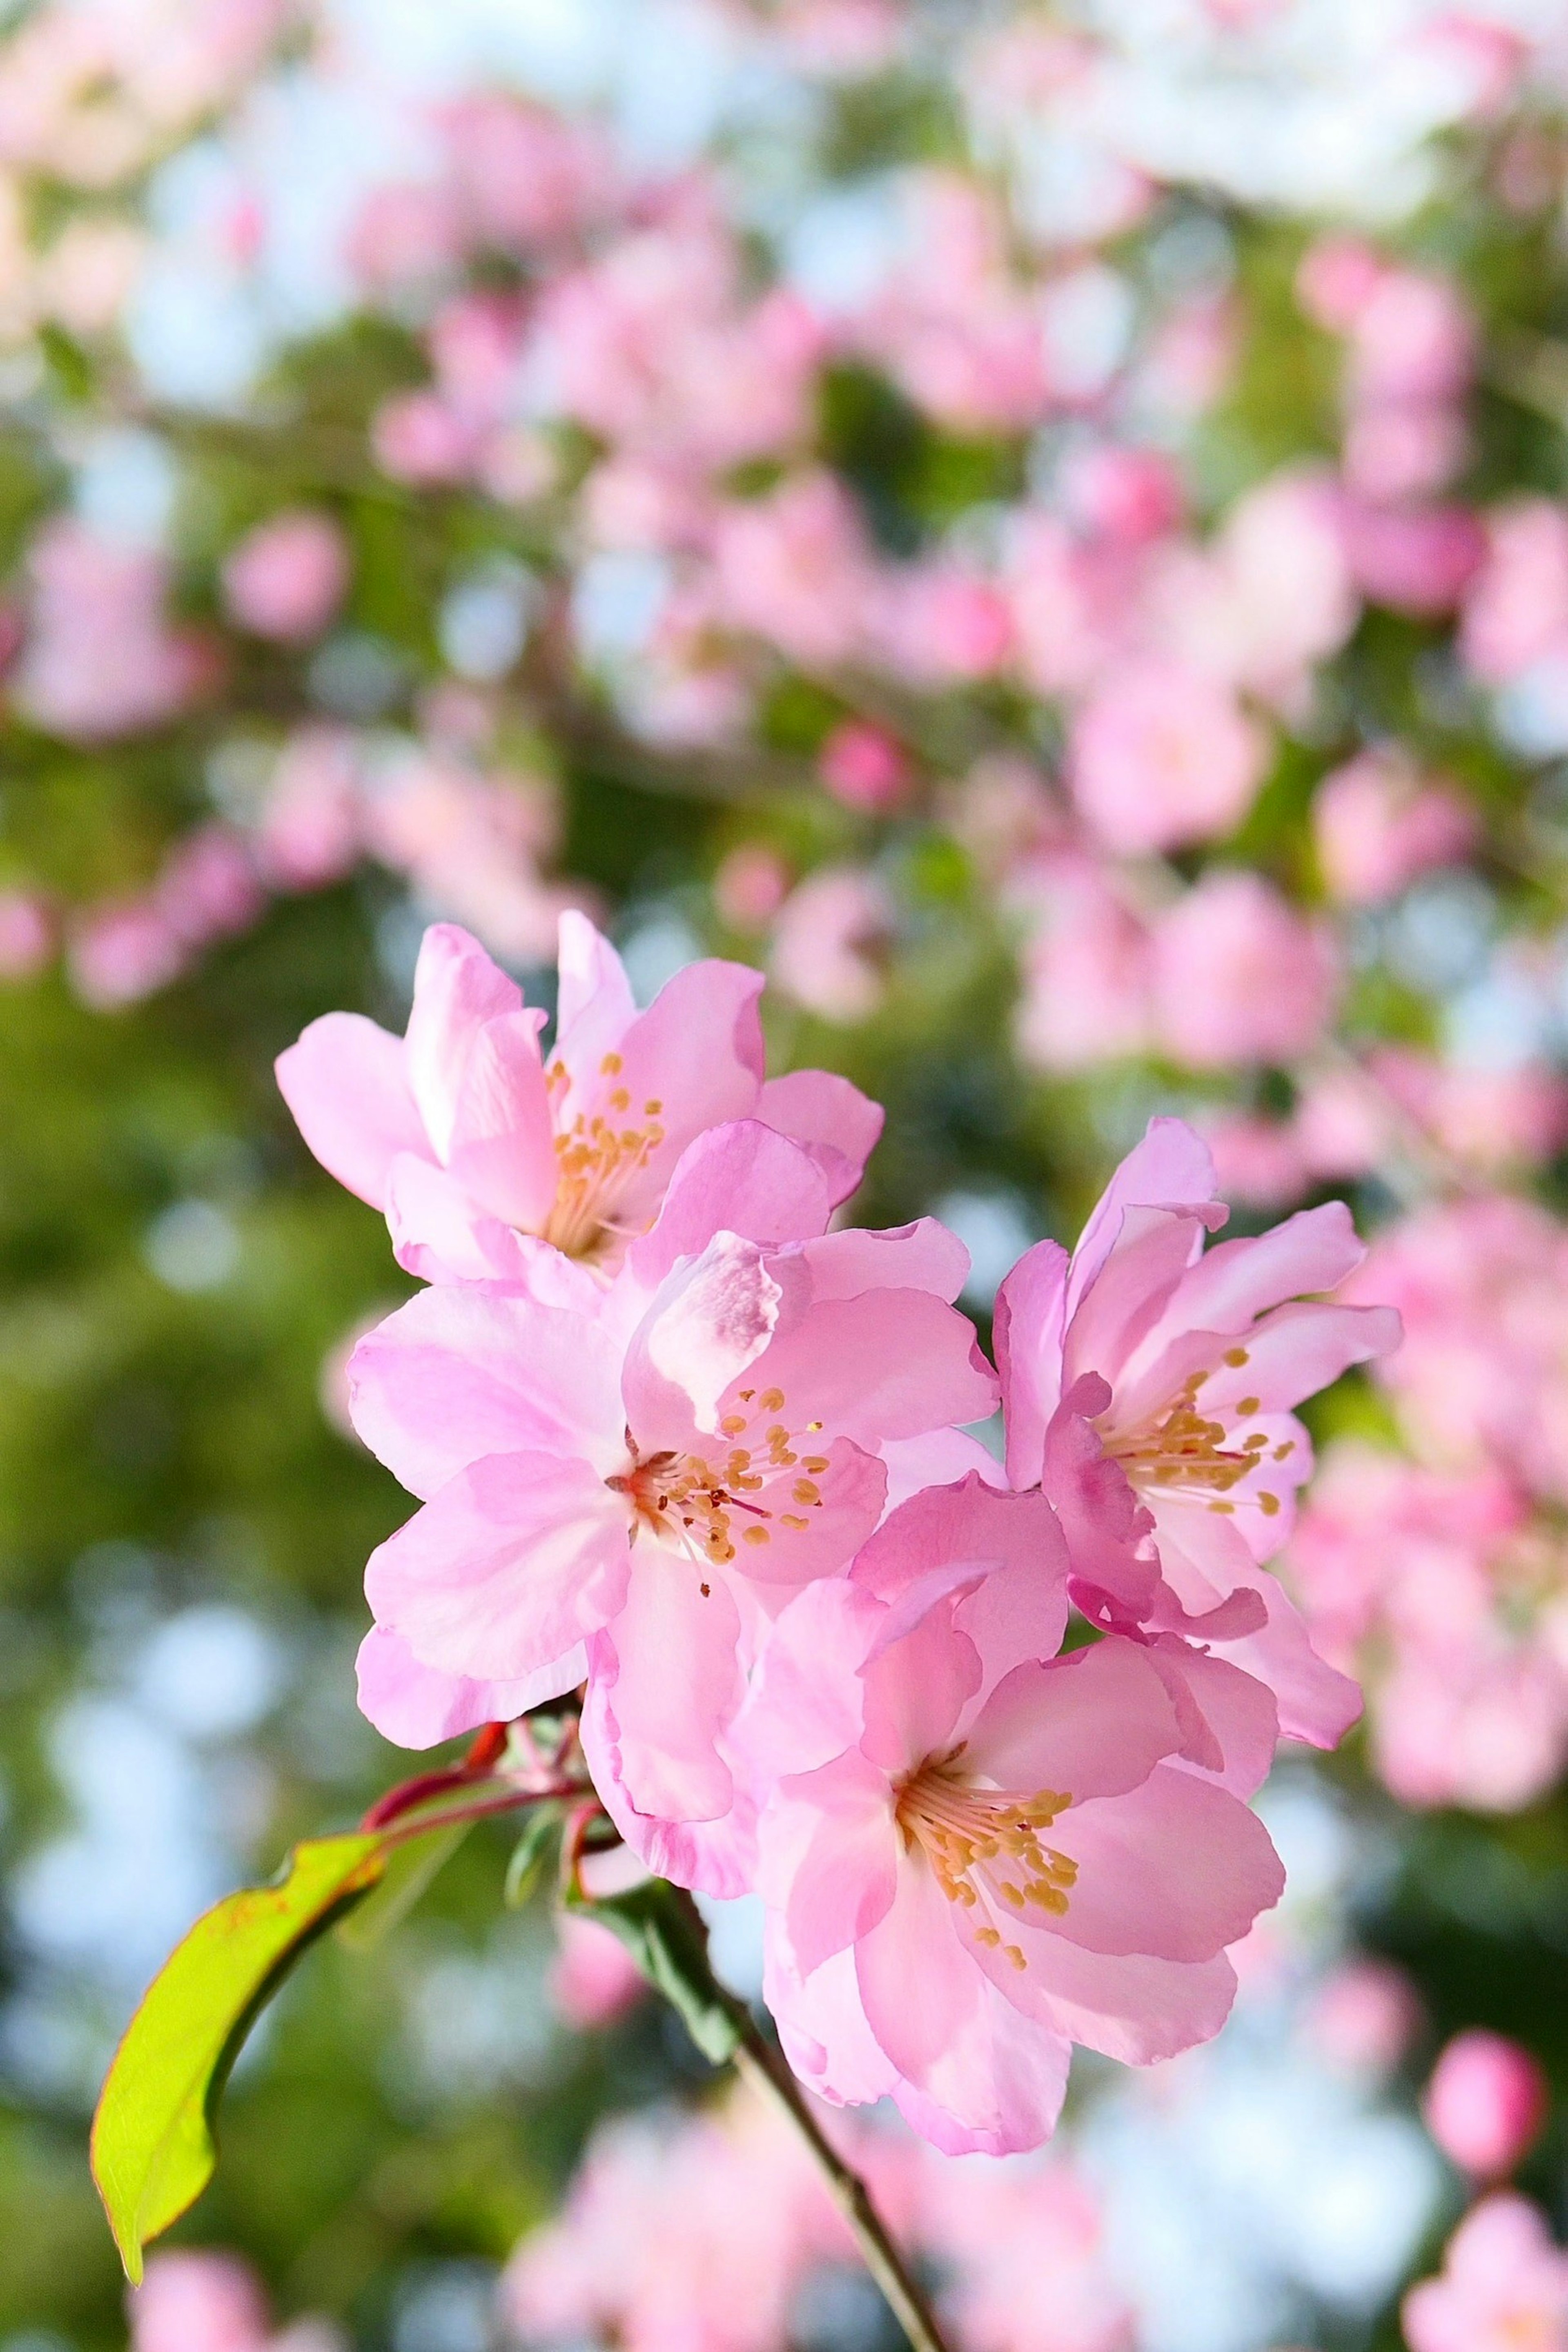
506	1569
839	1124
1171	1168
1176	1868
417	1705
456	989
1093	1724
346	1083
1030	1330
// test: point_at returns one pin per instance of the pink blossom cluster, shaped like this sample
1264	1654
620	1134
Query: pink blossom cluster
712	2233
1503	2284
1438	1575
687	1443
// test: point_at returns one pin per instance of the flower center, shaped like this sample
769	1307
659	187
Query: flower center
595	1159
745	1494
984	1846
1185	1452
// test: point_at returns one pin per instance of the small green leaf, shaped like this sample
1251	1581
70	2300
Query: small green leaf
531	1854
153	2149
662	1928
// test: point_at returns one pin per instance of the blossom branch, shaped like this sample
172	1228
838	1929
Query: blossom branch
759	2064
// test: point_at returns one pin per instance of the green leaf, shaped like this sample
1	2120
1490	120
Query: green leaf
531	1854
153	2147
663	1930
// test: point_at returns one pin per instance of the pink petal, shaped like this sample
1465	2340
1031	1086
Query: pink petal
938	1457
829	1859
458	1373
1238	1280
822	2026
921	1256
1204	1558
975	1523
1105	1526
1030	1330
511	1565
708	1324
1176	1868
1234	1729
923	1994
439	1233
594	1005
1090	1725
667	1678
916	1686
1136	2009
696	1052
890	1363
346	1084
1171	1168
1131	1292
740	1178
502	1140
838	1123
416	1706
1003	2093
456	989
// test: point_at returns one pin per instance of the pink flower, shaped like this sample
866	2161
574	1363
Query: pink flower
1087	965
311	828
1337	280
1239	975
831	942
750	887
593	1978
1126	494
286	579
864	766
208	888
525	176
1504	2285
1364	2017
418	436
1411	339
197	2303
1516	607
1449	1601
628	1483
481	1153
1483	1373
1417	559
1486	2103
100	660
1378	825
1161	756
1143	1358
968	1844
122	951
943	624
795	567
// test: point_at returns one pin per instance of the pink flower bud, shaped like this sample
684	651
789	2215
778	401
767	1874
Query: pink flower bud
1485	2104
593	1978
197	2303
286	579
862	766
26	934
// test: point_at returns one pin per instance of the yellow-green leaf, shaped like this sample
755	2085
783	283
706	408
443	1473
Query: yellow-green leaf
152	2150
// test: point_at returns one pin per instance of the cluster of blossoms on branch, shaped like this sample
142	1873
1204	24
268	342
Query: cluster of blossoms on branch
980	1732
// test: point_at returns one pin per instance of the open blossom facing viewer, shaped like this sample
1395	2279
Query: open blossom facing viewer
975	1852
483	1154
1503	2287
625	1483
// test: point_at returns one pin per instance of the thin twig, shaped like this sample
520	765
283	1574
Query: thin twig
762	2066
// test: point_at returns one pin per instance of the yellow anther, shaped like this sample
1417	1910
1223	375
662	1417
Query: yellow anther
1235	1358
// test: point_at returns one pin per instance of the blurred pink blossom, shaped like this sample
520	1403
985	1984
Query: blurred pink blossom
795	567
943	625
593	1977
1483	1373
1365	2016
831	943
1162	756
198	2302
286	579
1503	2287
864	766
416	437
1087	968
1442	1593
1338	277
99	660
1378	823
1516	607
122	951
1414	559
750	887
1127	495
963	342
1485	2104
1239	976
208	887
309	830
469	843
